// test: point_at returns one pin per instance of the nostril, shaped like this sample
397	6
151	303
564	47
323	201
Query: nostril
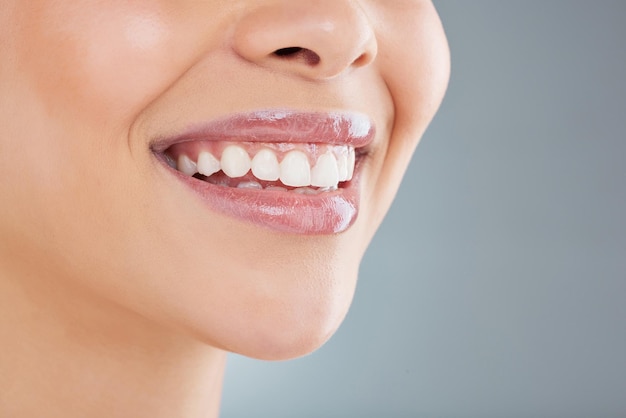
283	52
297	53
362	60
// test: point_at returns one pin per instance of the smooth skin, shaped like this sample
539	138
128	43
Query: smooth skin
120	292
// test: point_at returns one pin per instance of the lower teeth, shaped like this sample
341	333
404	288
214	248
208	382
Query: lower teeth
275	189
255	185
250	185
306	190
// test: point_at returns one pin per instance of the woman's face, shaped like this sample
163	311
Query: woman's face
108	108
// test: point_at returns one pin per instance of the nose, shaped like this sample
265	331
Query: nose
314	39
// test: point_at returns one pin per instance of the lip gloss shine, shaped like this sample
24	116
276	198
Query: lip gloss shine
284	211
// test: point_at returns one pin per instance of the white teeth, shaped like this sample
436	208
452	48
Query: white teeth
325	173
235	161
249	185
295	170
265	166
207	164
351	163
276	189
342	167
186	165
306	190
334	166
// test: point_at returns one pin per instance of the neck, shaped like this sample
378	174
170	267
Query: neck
65	353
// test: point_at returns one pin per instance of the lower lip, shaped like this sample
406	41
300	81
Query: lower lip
289	212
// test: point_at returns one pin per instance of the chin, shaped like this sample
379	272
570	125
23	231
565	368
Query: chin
286	333
289	339
271	320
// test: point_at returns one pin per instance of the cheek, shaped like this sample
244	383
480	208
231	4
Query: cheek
96	64
73	75
416	65
414	61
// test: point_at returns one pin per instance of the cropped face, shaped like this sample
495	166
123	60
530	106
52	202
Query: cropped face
215	166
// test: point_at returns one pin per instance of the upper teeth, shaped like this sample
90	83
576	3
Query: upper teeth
295	169
235	161
265	166
335	164
326	171
207	164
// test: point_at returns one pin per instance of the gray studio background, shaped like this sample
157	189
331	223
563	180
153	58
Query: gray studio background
496	287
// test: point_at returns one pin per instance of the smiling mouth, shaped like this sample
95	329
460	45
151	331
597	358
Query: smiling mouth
288	171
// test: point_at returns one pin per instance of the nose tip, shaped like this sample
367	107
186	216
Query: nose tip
313	39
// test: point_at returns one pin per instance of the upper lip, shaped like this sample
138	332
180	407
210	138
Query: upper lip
280	126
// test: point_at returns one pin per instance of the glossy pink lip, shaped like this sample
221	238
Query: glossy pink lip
290	212
337	128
